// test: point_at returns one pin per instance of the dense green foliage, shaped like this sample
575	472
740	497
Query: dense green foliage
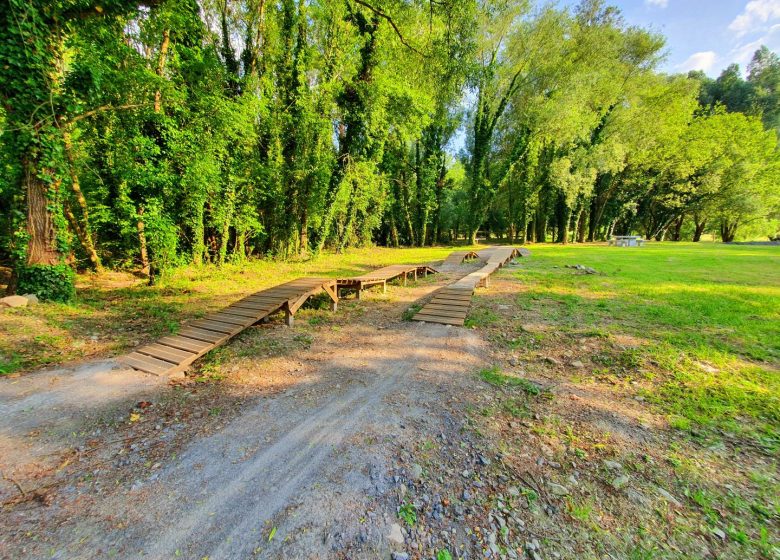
50	283
152	133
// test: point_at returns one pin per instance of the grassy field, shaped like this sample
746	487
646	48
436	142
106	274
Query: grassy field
653	386
707	317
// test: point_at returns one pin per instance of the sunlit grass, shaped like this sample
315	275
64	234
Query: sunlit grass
708	316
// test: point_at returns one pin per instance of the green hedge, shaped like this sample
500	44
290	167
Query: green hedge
49	283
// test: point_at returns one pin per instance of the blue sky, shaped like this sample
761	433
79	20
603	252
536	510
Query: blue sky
707	35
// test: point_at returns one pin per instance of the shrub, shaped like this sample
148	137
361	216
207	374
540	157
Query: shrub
49	283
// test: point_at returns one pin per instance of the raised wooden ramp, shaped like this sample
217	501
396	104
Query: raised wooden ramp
174	353
451	304
458	257
382	276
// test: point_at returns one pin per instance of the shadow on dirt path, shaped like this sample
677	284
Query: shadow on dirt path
305	472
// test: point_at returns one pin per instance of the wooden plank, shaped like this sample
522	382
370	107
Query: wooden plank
230	319
439	305
241	312
223	328
454	289
463	295
285	291
173	355
451	308
255	305
447	301
260	301
440	320
184	343
206	336
147	363
453	297
443	313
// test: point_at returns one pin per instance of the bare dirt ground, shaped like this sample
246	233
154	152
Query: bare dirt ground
300	451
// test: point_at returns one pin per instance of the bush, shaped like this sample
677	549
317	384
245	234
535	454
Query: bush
49	283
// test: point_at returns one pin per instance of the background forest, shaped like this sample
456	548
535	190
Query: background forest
166	132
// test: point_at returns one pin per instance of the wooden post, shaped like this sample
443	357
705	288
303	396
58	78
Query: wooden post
384	287
288	316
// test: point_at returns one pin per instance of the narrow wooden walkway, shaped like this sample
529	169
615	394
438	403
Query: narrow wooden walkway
458	257
174	353
382	276
451	304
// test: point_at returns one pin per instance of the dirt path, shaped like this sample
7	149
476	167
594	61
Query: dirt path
315	468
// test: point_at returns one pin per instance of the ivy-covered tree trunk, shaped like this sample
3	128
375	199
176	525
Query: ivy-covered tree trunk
42	234
82	227
354	105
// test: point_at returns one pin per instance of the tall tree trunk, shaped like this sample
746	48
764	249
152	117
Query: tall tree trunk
84	232
728	230
522	228
541	224
42	244
699	225
564	217
393	232
161	68
303	237
677	228
239	247
582	226
141	227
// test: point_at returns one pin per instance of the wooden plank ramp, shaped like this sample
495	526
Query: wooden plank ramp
381	276
459	257
451	304
175	352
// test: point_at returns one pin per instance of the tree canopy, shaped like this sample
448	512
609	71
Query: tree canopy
153	133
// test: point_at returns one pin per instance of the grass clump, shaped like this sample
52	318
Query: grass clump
494	376
481	317
408	513
411	311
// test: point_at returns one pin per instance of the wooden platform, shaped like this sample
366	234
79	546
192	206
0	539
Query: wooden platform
174	353
382	276
458	257
451	304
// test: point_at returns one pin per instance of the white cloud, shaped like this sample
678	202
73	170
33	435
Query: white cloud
657	3
699	61
743	54
756	15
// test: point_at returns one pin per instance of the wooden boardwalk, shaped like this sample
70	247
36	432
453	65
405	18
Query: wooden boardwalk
382	276
174	353
458	257
451	304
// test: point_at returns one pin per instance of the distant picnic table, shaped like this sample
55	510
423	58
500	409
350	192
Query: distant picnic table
627	241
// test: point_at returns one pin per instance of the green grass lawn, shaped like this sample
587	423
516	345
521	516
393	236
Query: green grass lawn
708	317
